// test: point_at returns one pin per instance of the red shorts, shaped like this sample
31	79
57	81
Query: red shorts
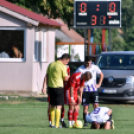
48	98
67	98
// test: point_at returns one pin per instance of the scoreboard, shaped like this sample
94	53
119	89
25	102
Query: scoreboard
97	13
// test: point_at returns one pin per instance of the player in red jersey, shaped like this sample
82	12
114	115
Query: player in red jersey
73	94
49	106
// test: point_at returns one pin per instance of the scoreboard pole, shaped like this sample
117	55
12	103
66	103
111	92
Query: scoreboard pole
85	43
103	39
109	39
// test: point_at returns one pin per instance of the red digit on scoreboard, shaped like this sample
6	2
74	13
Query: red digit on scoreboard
112	7
93	20
103	20
83	7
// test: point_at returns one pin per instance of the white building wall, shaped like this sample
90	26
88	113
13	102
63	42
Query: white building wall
26	77
16	77
39	68
7	20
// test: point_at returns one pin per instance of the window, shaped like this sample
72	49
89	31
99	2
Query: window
36	46
12	44
43	46
116	62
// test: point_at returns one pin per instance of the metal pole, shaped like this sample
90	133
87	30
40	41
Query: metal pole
109	41
85	44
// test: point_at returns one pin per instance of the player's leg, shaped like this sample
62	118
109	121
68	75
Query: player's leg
58	114
85	110
53	106
75	113
107	125
59	101
94	99
85	103
110	120
48	111
62	117
67	101
70	115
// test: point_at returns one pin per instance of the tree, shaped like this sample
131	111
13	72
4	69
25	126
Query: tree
128	23
51	8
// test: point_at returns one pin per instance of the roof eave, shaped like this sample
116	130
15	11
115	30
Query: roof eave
19	16
47	25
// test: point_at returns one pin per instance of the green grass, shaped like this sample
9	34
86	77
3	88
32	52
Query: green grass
29	116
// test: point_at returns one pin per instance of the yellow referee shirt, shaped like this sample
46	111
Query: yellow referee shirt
56	71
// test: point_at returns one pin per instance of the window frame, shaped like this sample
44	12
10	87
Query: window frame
15	59
44	45
36	46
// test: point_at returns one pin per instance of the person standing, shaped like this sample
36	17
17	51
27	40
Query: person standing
48	99
56	74
90	93
73	94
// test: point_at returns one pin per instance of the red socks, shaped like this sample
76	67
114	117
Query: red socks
75	115
62	112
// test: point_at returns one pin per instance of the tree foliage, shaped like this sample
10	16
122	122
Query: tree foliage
128	23
51	8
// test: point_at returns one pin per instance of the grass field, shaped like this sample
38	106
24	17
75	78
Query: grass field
29	116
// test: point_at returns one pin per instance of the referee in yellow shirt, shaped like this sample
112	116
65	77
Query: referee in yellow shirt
56	74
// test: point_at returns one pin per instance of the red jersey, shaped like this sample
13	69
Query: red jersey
75	81
68	72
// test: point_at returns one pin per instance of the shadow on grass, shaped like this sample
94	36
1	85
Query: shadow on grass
25	125
115	102
42	99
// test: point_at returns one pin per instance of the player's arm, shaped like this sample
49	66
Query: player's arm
80	92
109	112
65	75
66	78
45	81
107	115
100	80
45	84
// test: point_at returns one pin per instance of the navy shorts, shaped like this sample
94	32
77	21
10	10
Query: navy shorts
90	97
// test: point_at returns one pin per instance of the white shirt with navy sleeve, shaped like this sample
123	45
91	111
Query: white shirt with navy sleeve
90	85
98	115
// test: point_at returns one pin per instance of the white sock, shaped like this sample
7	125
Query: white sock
70	123
50	122
73	122
62	119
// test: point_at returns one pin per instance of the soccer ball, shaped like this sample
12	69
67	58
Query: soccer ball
78	124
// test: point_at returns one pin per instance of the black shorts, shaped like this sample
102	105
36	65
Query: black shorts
56	96
90	97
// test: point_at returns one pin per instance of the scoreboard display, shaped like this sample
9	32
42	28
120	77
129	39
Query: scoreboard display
97	13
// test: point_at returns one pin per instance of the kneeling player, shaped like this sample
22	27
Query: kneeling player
73	94
101	117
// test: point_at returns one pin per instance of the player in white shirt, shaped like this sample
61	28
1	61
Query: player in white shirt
101	117
90	93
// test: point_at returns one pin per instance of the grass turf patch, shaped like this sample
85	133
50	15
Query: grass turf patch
30	116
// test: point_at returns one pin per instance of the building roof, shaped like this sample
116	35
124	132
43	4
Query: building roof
34	16
68	35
